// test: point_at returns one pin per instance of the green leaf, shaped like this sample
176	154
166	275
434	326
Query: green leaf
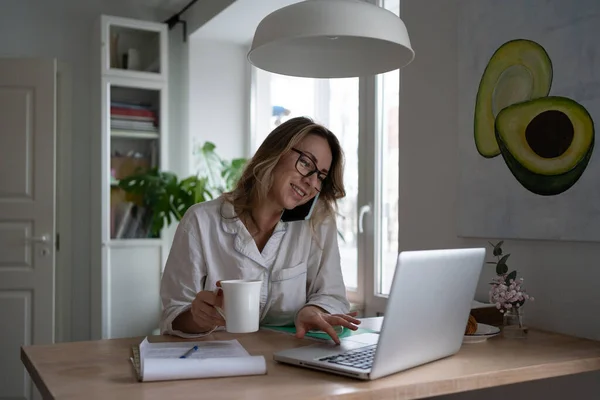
209	147
497	251
232	171
210	165
512	275
200	191
503	259
501	269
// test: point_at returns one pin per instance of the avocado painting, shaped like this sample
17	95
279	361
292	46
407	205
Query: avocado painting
519	70
546	141
529	96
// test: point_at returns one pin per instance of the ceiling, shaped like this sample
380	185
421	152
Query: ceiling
237	23
173	6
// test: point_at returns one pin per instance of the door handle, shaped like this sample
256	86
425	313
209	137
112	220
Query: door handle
39	239
361	215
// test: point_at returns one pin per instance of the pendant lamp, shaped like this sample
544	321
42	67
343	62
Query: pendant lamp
331	39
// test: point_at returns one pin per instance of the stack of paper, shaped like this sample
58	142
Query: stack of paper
212	359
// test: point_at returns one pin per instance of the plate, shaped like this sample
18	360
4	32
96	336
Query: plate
483	333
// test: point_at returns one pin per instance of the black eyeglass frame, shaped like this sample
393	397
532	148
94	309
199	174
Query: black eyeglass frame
315	170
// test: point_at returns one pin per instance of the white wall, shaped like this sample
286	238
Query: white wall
178	151
562	276
219	95
63	29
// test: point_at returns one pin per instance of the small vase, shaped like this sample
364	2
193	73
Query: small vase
513	326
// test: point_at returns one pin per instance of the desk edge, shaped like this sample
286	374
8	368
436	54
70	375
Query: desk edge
485	380
37	379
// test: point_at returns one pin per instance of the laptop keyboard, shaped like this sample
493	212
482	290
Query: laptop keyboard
361	358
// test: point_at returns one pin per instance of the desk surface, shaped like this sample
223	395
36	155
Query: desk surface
101	369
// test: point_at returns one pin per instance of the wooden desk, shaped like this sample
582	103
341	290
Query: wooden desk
101	369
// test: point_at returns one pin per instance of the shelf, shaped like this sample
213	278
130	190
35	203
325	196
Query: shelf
134	134
130	133
135	48
150	242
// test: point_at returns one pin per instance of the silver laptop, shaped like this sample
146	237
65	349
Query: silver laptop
425	319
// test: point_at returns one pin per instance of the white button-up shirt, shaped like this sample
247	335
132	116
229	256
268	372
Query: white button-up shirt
297	266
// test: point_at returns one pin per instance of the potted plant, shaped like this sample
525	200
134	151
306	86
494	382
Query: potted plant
167	198
508	294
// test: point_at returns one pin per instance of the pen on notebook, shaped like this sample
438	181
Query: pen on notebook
190	351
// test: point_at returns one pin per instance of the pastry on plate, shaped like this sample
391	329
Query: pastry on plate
471	325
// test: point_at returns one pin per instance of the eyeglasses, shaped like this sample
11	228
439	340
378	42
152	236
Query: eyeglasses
306	166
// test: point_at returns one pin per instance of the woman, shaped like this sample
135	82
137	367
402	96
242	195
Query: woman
241	235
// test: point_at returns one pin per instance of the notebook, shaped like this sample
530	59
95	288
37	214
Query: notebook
203	359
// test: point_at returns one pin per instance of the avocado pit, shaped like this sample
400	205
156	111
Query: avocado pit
550	134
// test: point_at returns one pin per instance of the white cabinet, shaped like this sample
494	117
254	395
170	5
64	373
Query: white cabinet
129	130
133	49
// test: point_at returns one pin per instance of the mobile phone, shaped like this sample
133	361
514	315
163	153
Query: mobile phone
300	213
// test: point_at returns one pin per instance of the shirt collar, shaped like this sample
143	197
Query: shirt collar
231	224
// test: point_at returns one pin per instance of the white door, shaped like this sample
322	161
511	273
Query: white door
27	215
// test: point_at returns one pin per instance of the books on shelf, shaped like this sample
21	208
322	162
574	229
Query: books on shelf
133	117
203	359
130	221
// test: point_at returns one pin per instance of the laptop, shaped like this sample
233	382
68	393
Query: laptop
425	319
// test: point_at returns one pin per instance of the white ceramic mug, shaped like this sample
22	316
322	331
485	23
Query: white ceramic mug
241	304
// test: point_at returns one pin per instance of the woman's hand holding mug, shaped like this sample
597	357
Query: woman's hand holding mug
203	309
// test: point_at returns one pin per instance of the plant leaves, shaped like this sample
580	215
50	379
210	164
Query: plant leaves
512	275
503	259
501	269
232	171
498	248
167	198
210	165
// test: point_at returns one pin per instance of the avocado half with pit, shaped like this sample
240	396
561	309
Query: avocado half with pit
519	70
546	143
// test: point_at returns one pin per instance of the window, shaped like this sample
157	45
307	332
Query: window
333	103
388	85
363	113
386	191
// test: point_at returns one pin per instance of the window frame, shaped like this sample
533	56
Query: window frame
371	97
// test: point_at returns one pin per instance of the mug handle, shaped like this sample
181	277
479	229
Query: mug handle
219	310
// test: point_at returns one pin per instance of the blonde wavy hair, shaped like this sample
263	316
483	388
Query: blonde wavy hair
257	178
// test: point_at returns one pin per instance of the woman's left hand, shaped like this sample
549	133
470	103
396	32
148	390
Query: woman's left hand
312	317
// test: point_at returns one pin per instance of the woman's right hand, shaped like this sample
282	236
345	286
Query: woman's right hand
203	310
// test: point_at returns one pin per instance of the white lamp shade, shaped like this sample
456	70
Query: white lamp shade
331	39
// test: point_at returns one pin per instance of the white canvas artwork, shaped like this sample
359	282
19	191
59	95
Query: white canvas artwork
528	165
